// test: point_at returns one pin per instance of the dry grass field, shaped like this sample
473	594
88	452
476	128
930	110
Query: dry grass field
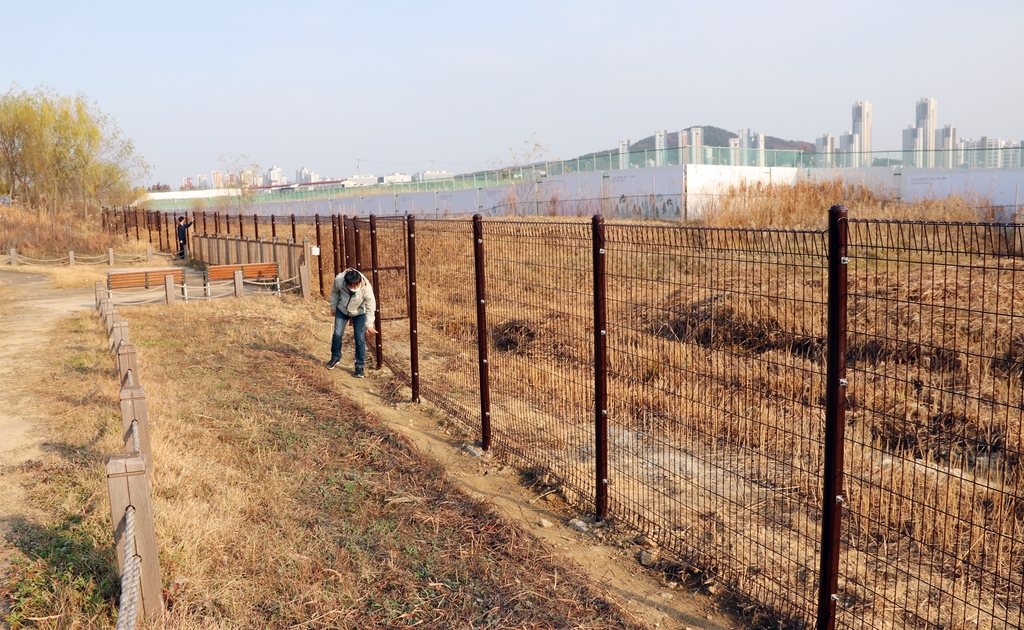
278	502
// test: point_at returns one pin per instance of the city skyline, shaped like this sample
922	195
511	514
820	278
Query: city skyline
393	87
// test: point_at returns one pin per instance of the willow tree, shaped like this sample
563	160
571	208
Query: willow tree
60	153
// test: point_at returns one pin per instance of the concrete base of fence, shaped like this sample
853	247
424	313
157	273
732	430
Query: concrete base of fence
128	485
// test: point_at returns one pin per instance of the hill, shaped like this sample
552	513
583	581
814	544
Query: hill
713	137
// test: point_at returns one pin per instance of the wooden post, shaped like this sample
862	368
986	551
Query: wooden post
149	254
128	486
127	361
304	281
110	256
101	291
118	335
169	289
414	344
14	257
239	286
134	409
71	258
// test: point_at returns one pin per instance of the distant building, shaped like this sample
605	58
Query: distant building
274	177
430	176
825	148
186	183
945	143
695	145
232	180
862	126
395	178
250	178
913	145
202	182
926	119
659	148
306	176
624	153
850	149
217	179
362	180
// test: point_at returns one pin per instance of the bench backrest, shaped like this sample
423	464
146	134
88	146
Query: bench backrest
143	278
249	270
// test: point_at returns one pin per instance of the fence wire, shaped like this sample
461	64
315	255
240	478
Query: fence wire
934	526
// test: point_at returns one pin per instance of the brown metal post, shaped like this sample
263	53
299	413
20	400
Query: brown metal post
414	344
600	369
835	418
335	251
135	217
124	216
149	225
375	277
294	238
357	245
227	223
216	222
481	332
241	225
320	258
205	231
256	226
273	226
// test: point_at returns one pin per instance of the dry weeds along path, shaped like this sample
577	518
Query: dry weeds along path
29	311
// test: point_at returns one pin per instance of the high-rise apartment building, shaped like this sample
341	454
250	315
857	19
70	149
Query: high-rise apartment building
306	176
850	149
659	147
862	125
275	177
825	148
202	182
217	179
696	145
945	143
624	153
913	145
926	119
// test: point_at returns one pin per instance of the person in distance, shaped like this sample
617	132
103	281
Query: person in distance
352	300
183	235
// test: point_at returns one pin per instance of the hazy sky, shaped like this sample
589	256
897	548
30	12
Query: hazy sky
399	84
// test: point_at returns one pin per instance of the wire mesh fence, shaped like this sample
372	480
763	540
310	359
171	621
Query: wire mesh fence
933	525
721	373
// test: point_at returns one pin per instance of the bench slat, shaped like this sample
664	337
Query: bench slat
143	279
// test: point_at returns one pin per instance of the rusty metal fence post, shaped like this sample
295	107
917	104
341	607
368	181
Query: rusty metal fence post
835	418
294	238
335	246
357	245
378	343
481	332
600	370
273	226
319	255
414	344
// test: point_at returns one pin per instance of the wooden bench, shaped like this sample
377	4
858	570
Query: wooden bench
250	271
143	278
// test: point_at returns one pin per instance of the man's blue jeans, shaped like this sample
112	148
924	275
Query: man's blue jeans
358	329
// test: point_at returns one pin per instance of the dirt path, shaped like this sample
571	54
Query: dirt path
29	310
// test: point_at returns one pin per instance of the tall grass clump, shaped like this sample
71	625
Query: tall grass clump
802	206
44	234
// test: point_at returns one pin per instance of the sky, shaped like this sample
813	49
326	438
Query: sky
461	86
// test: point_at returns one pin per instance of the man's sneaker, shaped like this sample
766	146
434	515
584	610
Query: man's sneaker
330	365
359	373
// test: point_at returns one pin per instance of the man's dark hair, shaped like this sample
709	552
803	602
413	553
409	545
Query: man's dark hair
353	277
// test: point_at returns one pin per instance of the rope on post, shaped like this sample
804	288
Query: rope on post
128	610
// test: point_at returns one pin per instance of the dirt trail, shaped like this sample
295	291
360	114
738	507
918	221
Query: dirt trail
29	310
